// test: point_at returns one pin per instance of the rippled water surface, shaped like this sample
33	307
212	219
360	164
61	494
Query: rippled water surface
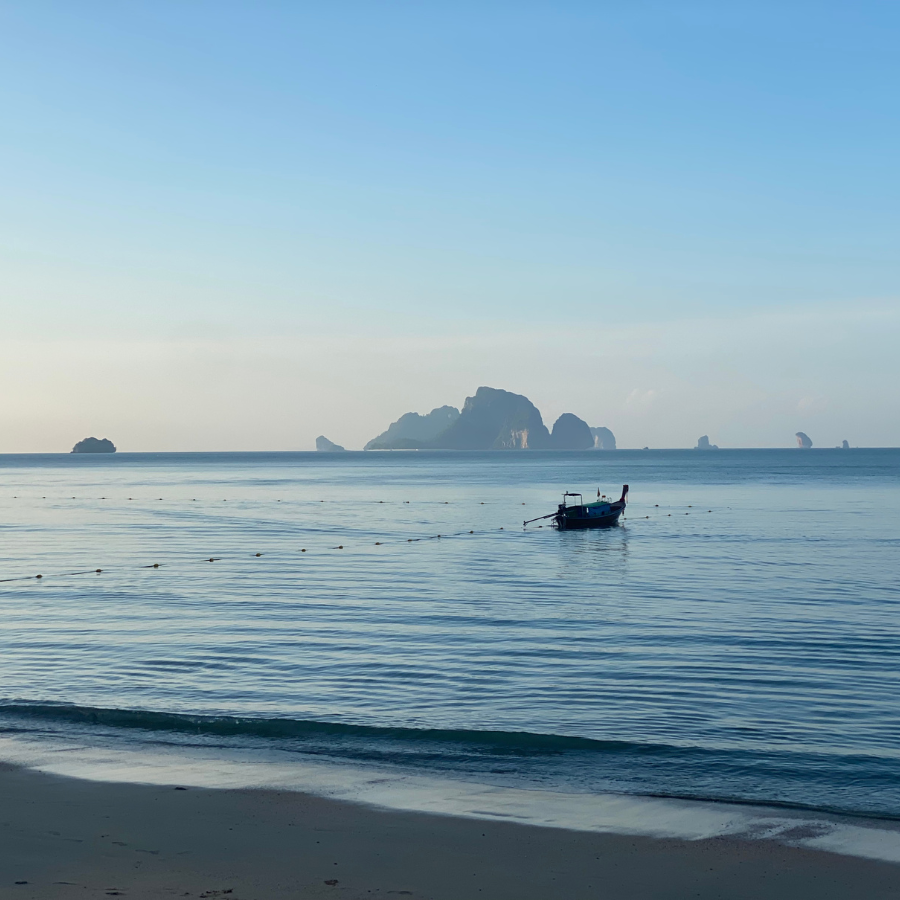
737	636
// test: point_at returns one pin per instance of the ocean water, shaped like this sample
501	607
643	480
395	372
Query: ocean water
736	639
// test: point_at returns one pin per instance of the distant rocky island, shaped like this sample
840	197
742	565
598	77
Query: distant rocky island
803	441
491	420
94	445
604	439
411	430
704	444
323	445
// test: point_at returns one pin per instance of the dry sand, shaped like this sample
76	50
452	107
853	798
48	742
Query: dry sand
74	839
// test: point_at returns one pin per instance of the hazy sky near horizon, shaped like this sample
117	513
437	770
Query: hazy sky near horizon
235	225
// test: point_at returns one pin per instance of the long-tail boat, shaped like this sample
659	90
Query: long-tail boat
602	513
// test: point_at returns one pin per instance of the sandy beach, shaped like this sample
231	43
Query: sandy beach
67	838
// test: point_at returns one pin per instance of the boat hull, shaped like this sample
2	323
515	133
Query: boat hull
568	522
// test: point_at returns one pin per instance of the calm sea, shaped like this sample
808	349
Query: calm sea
736	638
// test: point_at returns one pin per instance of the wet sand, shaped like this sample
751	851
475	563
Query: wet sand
68	838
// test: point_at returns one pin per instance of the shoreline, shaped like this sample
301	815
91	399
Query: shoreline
407	790
80	756
68	837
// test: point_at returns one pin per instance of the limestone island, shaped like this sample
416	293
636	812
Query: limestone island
412	430
491	420
604	439
94	445
803	441
323	445
704	444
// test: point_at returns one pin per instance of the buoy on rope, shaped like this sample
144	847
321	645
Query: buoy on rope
378	543
303	550
98	571
38	576
259	554
471	532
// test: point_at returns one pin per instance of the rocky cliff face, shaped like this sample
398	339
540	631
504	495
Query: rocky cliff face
413	430
571	433
495	420
323	445
604	439
94	445
491	420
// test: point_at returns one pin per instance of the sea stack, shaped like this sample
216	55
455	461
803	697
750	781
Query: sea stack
323	445
704	444
604	439
845	445
803	441
94	445
571	433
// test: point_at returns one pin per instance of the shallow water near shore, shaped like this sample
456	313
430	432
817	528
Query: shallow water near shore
736	639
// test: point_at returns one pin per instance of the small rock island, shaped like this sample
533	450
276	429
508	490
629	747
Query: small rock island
704	444
803	441
94	445
604	439
323	445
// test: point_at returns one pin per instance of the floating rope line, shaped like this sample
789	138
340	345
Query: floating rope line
431	537
52	575
211	559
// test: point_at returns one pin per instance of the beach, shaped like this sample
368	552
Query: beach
699	703
68	837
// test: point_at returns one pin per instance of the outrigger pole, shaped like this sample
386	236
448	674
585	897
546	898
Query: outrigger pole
538	519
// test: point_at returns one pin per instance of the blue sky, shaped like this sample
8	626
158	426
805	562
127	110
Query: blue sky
239	225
